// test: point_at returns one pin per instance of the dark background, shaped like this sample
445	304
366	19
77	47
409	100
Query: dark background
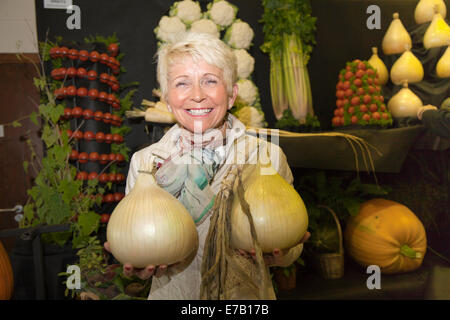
341	36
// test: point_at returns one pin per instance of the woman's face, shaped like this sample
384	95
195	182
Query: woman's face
197	95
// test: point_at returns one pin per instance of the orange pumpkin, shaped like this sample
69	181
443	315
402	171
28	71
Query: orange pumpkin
387	234
6	275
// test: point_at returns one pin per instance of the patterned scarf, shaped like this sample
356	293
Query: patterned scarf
187	173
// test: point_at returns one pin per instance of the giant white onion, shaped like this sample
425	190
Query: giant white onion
149	226
407	68
404	103
397	39
378	64
424	11
438	33
279	214
443	65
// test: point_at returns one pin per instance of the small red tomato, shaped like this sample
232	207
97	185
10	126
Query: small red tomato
83	157
102	96
373	107
120	157
385	115
104	217
111	157
103	158
73	155
336	112
88	114
53	52
116	104
348	75
82	175
107	117
370	72
108	198
362	65
357	82
116	120
89	135
77	112
114	62
351	110
348	93
99	137
113	49
112	177
363	108
55	74
354	119
58	52
94	56
111	97
108	138
69	133
93	156
112	80
92	176
345	101
340	94
82	92
111	62
381	98
115	87
104	58
71	72
336	121
71	90
355	101
360	91
103	178
93	94
118	196
104	78
67	113
83	55
376	116
367	99
98	115
383	107
360	73
81	73
120	177
346	85
92	74
366	117
117	138
115	70
63	51
78	135
73	54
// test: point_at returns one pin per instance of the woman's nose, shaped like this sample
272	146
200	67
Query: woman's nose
197	93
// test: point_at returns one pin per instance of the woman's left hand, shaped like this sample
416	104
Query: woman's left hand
276	258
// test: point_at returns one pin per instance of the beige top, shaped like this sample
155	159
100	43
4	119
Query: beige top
184	280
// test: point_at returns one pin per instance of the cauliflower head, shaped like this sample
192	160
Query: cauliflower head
245	63
168	28
187	10
222	12
205	26
247	92
239	35
251	116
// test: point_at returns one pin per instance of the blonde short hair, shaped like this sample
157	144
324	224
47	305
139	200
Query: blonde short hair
198	46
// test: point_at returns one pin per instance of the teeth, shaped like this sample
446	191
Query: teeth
199	112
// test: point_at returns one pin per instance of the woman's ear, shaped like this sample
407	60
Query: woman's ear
233	97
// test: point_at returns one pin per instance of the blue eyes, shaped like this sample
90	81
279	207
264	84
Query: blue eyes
206	82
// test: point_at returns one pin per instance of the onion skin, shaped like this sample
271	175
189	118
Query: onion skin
425	10
278	212
443	65
149	226
404	103
396	40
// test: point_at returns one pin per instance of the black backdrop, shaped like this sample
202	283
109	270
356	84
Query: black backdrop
341	36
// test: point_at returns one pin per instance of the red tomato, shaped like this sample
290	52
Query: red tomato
360	91
115	87
78	135
108	138
376	116
82	92
71	90
363	108
93	94
116	104
94	56
354	119
383	107
115	70
111	97
373	107
113	49
54	52
88	114
69	133
77	112
92	176
112	177
103	178
340	94
366	117
116	120
107	117
362	65
367	99
120	177
67	113
73	155
336	121
92	74
120	157
360	73
63	51
108	198
81	72
102	96
83	157
104	78
381	98
112	80
351	110
348	93
99	137
369	81
82	175
117	138
385	115
118	196
103	158
73	54
346	85
98	115
112	157
89	135
104	58
348	75
370	72
355	101
357	82
83	55
104	217
71	72
93	156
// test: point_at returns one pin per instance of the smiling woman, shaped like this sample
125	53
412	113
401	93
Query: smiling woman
197	77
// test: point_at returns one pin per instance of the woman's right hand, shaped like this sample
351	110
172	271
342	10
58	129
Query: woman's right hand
144	273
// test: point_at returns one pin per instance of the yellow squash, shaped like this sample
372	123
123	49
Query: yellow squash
387	234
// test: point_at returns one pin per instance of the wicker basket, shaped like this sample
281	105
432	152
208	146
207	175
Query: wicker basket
331	265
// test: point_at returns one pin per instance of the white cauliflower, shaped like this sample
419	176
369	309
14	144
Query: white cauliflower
222	12
206	26
168	28
247	92
187	10
251	116
245	63
239	35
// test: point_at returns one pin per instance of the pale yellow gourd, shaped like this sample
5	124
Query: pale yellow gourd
408	68
443	65
149	226
438	33
279	214
378	64
396	40
424	11
404	103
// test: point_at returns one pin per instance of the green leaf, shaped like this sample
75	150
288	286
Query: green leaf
352	205
88	222
16	124
33	118
25	166
49	137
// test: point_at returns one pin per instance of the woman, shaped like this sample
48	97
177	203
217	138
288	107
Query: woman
197	77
